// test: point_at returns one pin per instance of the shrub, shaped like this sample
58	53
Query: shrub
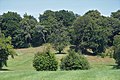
74	61
117	55
45	61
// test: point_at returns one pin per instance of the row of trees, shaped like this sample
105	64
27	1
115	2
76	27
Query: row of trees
27	31
91	31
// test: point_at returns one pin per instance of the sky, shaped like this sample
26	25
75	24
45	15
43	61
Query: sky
36	7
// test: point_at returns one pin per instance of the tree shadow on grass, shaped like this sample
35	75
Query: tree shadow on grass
5	70
85	52
60	53
115	66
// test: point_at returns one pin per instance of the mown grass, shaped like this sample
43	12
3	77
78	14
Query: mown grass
62	75
20	68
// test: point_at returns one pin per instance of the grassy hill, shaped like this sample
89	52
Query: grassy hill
20	68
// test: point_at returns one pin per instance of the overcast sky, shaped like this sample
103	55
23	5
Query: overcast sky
35	7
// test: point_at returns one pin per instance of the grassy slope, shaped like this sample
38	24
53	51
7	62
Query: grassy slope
21	69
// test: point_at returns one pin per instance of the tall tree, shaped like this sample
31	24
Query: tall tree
59	37
49	18
89	35
9	24
23	37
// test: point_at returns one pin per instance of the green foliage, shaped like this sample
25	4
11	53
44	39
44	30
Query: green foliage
116	14
24	35
59	37
45	61
66	16
10	24
116	40
117	50
6	49
74	61
95	14
113	25
51	18
89	35
110	51
90	31
102	55
39	36
117	55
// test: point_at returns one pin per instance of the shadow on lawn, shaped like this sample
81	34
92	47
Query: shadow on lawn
5	70
115	66
60	53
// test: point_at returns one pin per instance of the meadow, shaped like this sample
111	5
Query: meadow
20	68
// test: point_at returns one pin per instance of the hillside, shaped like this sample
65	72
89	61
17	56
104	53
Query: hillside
20	68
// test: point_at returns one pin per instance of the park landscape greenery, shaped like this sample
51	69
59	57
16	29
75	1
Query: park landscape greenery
87	36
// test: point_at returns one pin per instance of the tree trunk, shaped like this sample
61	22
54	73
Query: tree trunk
76	48
60	51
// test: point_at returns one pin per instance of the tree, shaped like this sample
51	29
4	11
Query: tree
113	28
59	37
67	17
6	49
116	14
47	20
27	25
39	35
50	18
95	14
9	24
89	35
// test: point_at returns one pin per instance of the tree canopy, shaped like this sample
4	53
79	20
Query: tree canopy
89	31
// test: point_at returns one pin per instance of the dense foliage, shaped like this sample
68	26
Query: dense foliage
117	50
45	61
117	55
6	49
74	61
89	35
59	37
91	31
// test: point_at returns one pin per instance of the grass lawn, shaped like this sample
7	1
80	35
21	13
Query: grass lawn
20	68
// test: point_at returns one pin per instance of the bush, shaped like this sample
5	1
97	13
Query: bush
45	61
74	61
117	55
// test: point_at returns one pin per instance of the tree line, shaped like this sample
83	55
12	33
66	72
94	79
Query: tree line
89	33
61	28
